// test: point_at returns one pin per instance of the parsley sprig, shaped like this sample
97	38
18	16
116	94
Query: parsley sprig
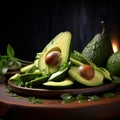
9	61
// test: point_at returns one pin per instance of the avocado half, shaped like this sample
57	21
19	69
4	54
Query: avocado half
61	43
95	81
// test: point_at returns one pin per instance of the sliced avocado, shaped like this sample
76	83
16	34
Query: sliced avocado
37	72
15	77
105	72
28	77
60	43
98	49
66	83
95	81
36	82
28	69
75	62
59	75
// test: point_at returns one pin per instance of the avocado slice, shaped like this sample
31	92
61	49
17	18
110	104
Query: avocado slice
59	75
28	77
95	81
15	77
37	82
60	43
75	62
105	72
66	83
28	68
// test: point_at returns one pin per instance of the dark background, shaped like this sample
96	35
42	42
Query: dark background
29	26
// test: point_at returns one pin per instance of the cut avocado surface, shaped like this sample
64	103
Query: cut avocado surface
28	69
95	81
62	73
36	82
66	83
105	72
75	62
60	43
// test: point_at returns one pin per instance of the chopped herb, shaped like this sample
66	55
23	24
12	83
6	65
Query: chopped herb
35	100
15	95
9	90
67	98
107	95
93	98
80	98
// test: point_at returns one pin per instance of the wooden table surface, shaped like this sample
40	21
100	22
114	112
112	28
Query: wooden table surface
20	108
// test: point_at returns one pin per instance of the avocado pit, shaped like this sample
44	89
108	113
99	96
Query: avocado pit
52	58
86	71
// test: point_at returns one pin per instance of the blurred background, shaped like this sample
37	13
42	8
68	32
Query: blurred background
29	26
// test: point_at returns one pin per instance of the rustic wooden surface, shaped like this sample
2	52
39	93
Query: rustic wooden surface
12	108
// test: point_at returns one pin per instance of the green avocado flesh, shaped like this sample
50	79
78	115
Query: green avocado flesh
66	83
59	75
28	69
60	43
95	81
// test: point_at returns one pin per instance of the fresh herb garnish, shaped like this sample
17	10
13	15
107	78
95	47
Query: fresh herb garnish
10	51
9	90
36	100
80	98
9	61
93	98
107	95
67	98
15	95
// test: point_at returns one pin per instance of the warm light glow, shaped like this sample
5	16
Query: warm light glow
115	46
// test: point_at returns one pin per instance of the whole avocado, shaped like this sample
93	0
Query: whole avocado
113	64
99	48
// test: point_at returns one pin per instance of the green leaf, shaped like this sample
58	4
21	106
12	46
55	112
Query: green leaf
36	100
93	98
67	98
107	95
10	51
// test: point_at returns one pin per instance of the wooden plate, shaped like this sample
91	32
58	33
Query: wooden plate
56	93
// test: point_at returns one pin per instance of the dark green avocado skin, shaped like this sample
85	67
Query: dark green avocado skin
98	50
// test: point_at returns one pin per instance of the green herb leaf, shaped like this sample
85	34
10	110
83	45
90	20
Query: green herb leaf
15	95
35	100
10	51
9	90
80	98
94	98
107	95
67	98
